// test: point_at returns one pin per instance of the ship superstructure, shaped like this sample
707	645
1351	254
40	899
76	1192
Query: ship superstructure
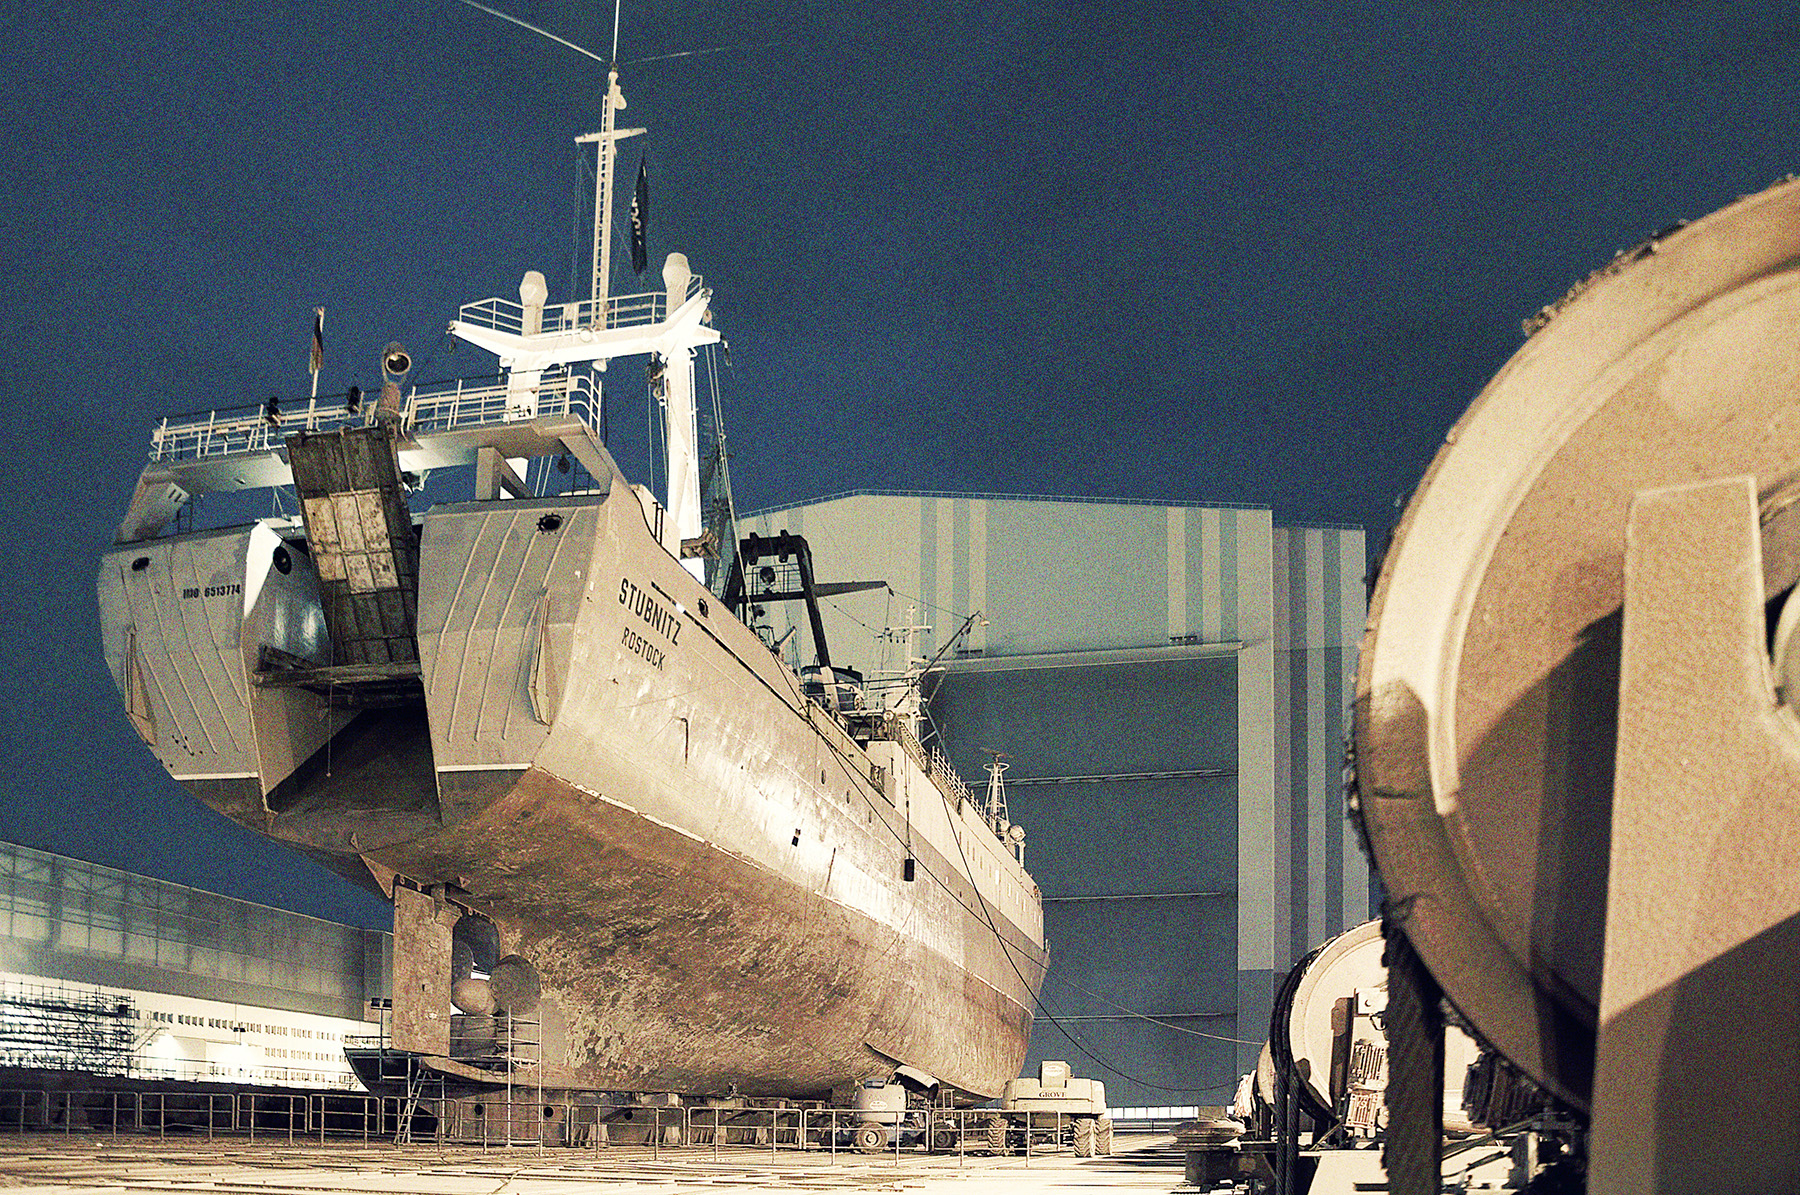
597	798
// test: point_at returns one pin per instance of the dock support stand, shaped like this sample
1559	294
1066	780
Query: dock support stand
1697	1079
1413	1154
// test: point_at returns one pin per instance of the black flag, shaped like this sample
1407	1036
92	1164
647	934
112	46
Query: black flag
640	219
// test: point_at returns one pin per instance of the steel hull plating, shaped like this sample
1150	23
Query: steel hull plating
673	964
706	870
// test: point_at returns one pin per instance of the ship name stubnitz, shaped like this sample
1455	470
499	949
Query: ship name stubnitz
658	617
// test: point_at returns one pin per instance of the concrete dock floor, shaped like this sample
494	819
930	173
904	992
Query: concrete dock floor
91	1165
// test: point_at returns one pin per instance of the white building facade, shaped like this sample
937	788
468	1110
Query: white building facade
120	974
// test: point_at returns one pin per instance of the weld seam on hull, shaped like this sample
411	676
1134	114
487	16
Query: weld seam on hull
655	821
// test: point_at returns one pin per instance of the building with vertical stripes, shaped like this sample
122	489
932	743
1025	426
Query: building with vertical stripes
1168	686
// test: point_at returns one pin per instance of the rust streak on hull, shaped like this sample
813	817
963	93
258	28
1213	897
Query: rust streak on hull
676	965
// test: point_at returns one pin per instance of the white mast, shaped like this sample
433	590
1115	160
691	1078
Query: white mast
669	330
907	700
608	138
680	431
996	793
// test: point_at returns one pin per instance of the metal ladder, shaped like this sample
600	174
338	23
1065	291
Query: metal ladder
418	1079
522	1047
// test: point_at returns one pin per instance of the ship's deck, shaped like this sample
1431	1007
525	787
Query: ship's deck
447	406
440	407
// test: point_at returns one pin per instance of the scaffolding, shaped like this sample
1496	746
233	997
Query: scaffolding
513	1046
66	1027
507	1048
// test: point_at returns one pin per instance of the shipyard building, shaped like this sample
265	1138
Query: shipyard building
119	974
1170	685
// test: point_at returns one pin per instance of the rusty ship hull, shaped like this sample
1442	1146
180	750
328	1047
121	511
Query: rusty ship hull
707	871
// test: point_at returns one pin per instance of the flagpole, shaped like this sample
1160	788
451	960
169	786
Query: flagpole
640	221
317	357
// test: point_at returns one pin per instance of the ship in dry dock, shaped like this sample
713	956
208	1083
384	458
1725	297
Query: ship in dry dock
597	798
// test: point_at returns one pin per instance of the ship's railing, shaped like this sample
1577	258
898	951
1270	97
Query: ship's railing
248	428
465	405
622	311
886	724
254	427
946	776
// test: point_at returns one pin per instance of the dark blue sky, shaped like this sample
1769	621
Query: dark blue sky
1253	253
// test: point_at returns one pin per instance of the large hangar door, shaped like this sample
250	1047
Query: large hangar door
1124	775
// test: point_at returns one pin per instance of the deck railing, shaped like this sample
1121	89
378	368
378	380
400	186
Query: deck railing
462	403
946	776
892	726
465	405
622	311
